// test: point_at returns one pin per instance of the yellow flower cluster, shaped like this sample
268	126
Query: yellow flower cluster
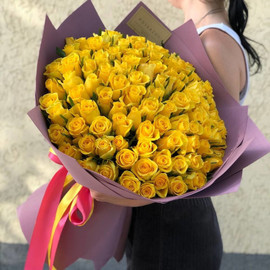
131	111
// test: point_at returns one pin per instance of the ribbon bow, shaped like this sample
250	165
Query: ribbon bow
76	205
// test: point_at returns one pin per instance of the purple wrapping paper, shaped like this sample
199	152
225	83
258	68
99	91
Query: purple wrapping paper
104	234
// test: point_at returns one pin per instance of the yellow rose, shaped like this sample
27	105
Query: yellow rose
87	144
145	147
134	39
161	183
76	126
161	80
169	108
91	83
114	53
150	107
163	160
104	72
58	134
104	99
117	107
215	162
70	48
147	190
135	116
131	60
195	161
147	69
207	131
177	186
123	44
181	100
95	43
104	147
138	77
121	124
125	158
108	169
179	84
221	128
204	148
47	100
71	63
75	110
89	110
194	91
157	93
82	43
100	126
120	143
180	122
118	82
193	143
88	164
180	164
195	180
162	123
101	57
53	69
172	140
71	80
147	130
77	93
130	181
198	114
58	114
195	128
159	66
89	66
133	94
206	167
54	87
144	169
70	150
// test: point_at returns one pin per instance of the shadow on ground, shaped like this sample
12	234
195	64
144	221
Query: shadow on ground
12	257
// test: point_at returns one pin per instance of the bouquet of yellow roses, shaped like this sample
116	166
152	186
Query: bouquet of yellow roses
131	111
131	119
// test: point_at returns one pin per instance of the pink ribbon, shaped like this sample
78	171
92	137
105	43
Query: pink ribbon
44	223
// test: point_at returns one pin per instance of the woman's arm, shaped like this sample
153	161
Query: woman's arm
227	59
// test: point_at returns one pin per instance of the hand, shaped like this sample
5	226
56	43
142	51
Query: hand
100	197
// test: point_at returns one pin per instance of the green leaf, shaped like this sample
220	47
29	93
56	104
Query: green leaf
130	45
71	102
95	97
91	53
99	31
190	73
147	84
60	52
112	63
63	117
112	41
182	88
168	81
162	43
68	136
143	118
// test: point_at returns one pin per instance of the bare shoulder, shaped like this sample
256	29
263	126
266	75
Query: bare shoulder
227	58
220	43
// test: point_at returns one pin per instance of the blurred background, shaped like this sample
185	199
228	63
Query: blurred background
244	216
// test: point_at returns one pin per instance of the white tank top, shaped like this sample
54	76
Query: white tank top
234	35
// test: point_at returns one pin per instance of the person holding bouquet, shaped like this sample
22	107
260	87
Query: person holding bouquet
184	234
